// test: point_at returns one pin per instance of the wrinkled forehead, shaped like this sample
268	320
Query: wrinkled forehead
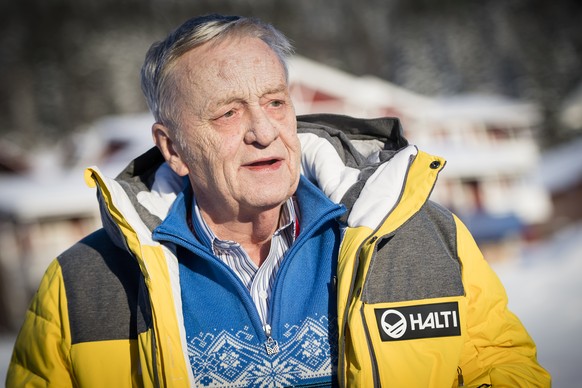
231	55
235	63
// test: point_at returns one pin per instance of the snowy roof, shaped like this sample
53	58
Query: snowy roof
472	161
367	91
488	109
54	190
26	198
131	134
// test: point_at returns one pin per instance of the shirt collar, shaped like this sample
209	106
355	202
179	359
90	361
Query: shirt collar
288	218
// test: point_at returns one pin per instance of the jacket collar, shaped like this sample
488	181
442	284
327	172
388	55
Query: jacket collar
313	205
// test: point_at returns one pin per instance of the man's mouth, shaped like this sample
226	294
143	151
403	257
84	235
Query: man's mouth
262	164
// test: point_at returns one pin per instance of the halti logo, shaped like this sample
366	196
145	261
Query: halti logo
424	321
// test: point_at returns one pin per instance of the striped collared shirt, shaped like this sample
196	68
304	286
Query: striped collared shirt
258	280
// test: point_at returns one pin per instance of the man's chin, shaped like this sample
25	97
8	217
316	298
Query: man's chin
267	203
266	197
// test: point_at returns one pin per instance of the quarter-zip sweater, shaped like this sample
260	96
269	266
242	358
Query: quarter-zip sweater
226	343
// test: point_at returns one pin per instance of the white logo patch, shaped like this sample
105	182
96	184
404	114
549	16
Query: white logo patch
423	321
398	328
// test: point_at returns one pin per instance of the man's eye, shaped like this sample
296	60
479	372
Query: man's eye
276	103
228	114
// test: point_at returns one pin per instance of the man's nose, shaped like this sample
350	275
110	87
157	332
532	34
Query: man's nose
261	130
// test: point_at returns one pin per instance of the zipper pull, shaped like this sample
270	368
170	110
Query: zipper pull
461	379
271	345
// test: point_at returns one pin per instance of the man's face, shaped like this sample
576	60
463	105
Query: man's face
240	145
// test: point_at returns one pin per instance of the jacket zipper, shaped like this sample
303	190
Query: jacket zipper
342	366
341	359
155	368
373	360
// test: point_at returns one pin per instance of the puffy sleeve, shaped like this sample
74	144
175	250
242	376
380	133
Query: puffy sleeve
41	352
498	350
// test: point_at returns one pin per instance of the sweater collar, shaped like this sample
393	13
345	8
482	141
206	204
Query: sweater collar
313	206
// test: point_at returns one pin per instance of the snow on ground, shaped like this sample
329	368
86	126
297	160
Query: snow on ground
544	284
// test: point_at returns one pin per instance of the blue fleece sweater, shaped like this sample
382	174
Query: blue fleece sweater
227	345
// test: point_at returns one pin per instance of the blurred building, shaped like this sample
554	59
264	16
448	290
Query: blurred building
561	174
491	179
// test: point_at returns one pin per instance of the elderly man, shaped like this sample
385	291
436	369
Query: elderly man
241	253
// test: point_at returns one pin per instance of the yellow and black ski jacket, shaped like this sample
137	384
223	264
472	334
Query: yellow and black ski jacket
418	306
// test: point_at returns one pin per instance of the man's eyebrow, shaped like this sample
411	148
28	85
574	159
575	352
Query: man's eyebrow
230	99
226	101
277	89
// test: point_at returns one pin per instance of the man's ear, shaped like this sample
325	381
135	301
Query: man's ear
168	147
